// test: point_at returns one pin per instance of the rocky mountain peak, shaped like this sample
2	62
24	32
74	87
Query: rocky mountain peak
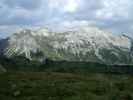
77	44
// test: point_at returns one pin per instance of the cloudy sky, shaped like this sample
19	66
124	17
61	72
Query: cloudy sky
112	15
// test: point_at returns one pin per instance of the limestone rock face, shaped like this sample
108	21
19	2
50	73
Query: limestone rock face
81	44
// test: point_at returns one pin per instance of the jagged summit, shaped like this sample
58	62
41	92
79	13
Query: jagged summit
77	44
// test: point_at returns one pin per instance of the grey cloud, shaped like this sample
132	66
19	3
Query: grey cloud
38	12
26	4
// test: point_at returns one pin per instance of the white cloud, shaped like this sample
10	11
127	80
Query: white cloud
115	15
4	29
65	5
114	9
72	5
68	25
75	23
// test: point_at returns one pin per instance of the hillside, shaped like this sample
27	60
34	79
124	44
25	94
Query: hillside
65	86
23	64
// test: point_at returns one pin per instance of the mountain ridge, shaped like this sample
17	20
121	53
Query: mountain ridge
82	44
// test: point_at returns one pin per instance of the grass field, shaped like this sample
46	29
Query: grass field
65	86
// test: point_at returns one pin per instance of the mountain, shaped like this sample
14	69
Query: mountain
87	44
3	45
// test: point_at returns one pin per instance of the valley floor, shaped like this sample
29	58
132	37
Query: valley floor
65	86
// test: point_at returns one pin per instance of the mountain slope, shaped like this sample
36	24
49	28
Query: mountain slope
81	44
3	45
2	69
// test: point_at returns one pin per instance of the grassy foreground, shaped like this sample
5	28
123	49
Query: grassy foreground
65	86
